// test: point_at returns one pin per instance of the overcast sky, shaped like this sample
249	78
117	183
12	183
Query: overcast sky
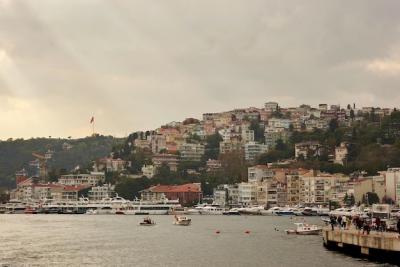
139	64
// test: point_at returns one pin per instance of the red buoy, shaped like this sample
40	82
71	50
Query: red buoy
247	232
218	231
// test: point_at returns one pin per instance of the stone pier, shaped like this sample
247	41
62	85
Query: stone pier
376	244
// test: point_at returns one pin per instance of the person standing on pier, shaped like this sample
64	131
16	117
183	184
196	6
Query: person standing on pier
378	224
333	222
344	223
339	220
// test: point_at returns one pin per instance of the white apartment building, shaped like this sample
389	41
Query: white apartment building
271	106
191	152
259	173
253	149
82	179
320	188
226	134
272	135
247	194
170	160
307	149
312	124
111	165
279	123
220	195
97	193
230	146
293	189
143	143
158	143
341	153
149	171
233	194
247	135
323	107
392	176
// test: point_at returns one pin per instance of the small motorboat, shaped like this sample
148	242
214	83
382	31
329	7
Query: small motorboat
305	229
182	220
147	222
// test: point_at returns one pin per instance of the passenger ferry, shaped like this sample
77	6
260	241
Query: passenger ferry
138	207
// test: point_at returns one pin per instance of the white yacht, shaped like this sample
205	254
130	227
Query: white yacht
346	212
206	209
251	210
271	211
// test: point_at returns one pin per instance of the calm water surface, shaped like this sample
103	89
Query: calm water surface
77	240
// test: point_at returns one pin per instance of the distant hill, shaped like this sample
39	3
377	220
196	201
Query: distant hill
16	154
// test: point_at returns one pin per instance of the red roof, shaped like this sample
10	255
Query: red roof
176	188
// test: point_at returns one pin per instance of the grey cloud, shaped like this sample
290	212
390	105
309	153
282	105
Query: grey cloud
138	64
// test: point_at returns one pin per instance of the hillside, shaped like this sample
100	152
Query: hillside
16	154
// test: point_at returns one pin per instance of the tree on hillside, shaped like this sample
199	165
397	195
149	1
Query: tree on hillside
193	139
234	166
333	125
129	188
212	146
258	131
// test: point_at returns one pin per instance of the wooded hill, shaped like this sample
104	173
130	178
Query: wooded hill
68	153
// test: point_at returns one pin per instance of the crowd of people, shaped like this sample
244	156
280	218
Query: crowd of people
360	223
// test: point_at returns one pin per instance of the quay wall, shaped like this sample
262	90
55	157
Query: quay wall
377	246
375	240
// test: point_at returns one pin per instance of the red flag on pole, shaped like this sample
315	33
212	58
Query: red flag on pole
92	120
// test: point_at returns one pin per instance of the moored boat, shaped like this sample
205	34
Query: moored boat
271	211
251	210
310	212
182	220
147	222
305	229
286	212
233	211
